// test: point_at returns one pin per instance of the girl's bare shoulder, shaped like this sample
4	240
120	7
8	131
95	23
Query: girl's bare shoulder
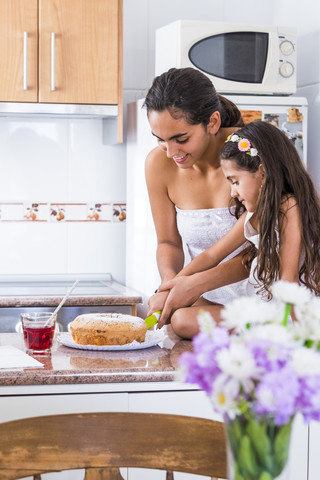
157	163
156	155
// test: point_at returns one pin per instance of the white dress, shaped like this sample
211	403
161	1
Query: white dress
199	230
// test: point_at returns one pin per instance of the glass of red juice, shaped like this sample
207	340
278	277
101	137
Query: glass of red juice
38	331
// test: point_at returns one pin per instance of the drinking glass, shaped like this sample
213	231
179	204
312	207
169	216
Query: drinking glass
38	331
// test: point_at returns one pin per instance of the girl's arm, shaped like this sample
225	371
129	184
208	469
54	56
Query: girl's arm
170	256
204	273
185	290
290	241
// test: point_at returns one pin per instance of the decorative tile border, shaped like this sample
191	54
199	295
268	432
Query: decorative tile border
63	212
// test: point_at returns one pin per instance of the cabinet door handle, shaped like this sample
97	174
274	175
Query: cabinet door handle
25	60
53	58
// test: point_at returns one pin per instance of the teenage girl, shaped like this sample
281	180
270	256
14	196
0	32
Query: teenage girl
189	195
282	223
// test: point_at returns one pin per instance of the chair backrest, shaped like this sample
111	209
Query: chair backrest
101	443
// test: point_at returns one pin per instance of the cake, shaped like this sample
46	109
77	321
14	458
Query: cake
107	329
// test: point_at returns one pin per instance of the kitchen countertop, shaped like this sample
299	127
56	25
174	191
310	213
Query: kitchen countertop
70	366
29	295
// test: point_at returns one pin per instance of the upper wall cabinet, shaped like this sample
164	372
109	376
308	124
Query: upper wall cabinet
19	50
61	51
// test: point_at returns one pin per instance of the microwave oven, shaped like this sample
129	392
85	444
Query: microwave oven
238	59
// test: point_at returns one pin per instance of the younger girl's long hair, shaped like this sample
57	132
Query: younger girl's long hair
286	177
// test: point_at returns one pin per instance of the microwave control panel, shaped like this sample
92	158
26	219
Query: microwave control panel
287	56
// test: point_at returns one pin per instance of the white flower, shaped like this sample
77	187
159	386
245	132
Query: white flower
244	311
306	329
237	367
234	138
289	292
254	152
310	310
305	362
206	322
224	395
238	362
276	333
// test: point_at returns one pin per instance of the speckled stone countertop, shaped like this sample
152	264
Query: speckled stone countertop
108	293
69	366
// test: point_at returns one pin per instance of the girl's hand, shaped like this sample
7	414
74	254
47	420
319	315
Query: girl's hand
157	301
183	293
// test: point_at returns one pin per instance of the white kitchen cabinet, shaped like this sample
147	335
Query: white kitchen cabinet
196	403
190	403
15	407
314	459
149	397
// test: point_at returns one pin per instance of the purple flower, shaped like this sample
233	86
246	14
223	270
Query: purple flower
219	338
201	365
195	373
268	354
276	394
308	401
263	366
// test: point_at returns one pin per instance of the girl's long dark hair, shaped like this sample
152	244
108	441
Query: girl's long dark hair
188	93
286	176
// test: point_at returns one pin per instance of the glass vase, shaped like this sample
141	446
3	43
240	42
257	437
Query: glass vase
257	449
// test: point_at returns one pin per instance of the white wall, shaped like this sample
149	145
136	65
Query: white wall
305	16
63	161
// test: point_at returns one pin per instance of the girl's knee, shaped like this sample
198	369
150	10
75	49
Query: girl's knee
177	322
183	324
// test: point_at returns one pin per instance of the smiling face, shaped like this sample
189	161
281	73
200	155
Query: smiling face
245	185
181	141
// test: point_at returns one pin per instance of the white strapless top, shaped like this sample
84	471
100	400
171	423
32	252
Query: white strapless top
199	230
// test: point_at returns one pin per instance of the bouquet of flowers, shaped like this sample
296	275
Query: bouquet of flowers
259	368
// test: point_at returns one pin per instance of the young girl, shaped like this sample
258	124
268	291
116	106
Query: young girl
282	222
188	193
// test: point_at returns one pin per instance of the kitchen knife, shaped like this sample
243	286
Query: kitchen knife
153	319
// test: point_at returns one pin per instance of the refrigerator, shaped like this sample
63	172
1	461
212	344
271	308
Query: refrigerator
288	113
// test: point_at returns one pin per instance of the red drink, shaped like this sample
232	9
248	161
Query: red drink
38	331
38	338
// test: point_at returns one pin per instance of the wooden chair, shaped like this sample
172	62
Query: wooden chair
100	443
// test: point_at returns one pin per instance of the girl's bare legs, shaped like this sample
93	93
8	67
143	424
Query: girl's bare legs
184	321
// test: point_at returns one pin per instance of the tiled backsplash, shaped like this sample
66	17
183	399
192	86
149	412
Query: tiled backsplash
62	198
63	212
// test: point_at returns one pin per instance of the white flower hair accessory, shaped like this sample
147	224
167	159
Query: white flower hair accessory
244	144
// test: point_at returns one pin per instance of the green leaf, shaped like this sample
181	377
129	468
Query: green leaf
257	432
281	447
237	428
237	474
234	433
265	476
246	458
